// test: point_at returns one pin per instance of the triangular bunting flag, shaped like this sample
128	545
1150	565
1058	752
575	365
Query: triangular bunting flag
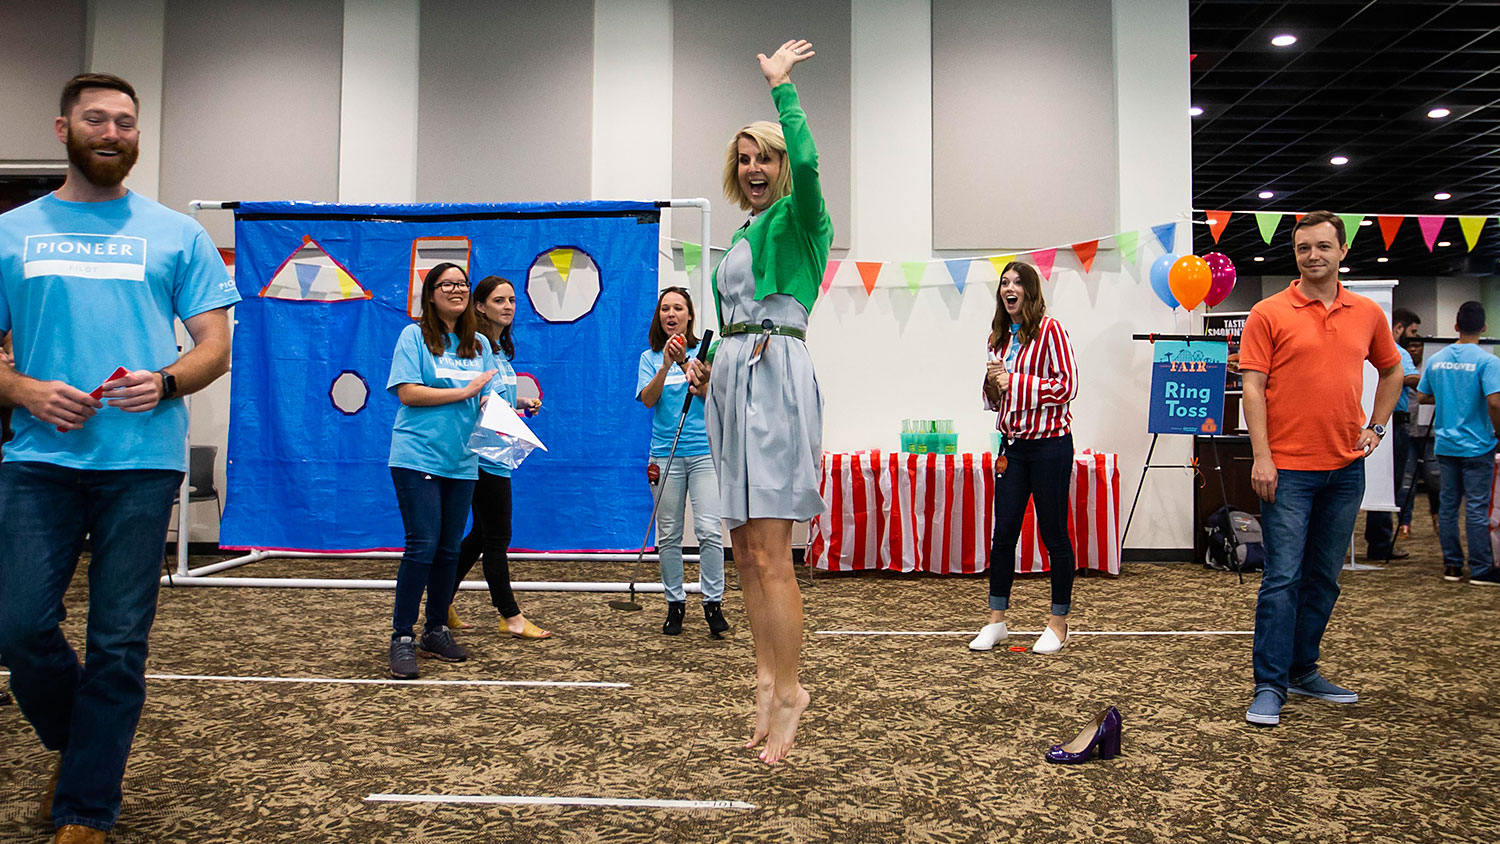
1431	224
1297	218
692	255
1000	262
913	270
562	260
1471	226
958	268
1268	221
1166	235
869	271
828	274
1217	220
1128	241
1351	226
1086	252
1389	223
1044	259
306	273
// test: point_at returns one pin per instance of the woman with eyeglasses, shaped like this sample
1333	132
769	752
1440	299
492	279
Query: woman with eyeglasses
765	414
495	307
661	384
439	369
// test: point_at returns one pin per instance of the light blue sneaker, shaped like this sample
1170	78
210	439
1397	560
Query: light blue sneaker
1313	685
1265	710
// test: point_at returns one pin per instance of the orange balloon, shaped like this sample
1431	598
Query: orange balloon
1190	279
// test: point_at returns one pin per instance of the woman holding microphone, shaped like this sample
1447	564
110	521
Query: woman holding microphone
1031	379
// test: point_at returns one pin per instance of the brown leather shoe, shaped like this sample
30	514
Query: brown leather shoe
75	834
45	815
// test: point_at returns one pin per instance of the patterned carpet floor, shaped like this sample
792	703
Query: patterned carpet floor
909	738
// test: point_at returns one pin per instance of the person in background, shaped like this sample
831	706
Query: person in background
1463	381
1380	539
1310	340
495	308
1031	379
661	384
440	367
1423	458
5	412
92	278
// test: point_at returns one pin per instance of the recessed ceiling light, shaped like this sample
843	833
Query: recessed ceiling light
1284	40
1194	111
1258	258
1382	260
1441	196
1438	113
1339	160
1343	269
1266	194
1366	223
1445	243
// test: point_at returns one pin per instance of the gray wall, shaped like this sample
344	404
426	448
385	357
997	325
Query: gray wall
1023	123
251	111
505	101
41	47
717	87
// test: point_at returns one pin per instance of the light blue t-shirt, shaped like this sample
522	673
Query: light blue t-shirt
668	410
435	439
502	386
1407	368
1459	378
87	287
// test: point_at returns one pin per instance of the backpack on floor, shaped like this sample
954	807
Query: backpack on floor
1234	541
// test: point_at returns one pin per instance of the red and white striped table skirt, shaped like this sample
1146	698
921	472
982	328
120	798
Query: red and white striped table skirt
936	513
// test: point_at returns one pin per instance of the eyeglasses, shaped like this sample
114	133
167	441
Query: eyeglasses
452	286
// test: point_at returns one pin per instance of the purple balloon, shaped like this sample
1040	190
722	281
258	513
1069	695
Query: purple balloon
1223	277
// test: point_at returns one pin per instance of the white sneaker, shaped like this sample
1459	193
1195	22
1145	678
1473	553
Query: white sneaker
988	636
1049	643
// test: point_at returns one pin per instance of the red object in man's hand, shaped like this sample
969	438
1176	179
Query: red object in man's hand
98	393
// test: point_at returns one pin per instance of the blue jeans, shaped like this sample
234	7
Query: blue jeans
89	712
690	476
1306	532
1466	478
434	511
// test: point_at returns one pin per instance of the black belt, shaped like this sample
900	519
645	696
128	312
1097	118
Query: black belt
763	327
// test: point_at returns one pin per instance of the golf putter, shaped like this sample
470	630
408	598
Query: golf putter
630	605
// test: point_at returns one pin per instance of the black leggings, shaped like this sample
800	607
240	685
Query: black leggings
1042	471
491	534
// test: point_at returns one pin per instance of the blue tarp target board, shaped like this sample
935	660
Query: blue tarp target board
327	289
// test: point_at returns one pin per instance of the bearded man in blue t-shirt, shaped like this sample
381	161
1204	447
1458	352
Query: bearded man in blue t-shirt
91	279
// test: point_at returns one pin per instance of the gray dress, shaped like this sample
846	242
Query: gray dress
765	422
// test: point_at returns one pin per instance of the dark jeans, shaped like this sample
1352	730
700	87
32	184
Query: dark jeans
89	712
1425	469
1306	533
1466	479
490	534
1040	470
1380	534
433	510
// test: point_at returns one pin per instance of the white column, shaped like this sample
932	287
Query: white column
124	37
378	101
891	76
632	139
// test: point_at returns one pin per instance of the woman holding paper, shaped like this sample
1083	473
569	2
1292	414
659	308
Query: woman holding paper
1031	380
661	384
439	369
495	308
765	414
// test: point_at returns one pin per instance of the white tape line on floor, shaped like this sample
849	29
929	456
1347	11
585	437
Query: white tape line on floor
220	678
1038	632
514	800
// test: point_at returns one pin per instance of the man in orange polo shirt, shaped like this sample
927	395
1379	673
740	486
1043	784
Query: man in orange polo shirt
1302	355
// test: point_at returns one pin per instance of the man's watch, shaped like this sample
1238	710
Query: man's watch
168	384
1378	429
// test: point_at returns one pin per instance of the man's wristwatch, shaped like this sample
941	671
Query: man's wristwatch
168	384
1378	429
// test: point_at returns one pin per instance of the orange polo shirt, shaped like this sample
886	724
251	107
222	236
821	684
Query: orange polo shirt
1313	357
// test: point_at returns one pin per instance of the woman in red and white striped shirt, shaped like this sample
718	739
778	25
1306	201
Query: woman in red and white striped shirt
1030	380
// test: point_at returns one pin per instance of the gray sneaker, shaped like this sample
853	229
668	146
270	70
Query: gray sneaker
404	658
438	643
1313	685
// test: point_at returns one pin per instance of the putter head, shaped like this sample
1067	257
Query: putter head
625	606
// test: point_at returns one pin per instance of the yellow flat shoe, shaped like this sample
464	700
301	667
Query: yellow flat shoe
456	623
530	631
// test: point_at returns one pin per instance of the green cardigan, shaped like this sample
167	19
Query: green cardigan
789	241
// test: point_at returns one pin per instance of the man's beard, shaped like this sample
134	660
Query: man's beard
102	172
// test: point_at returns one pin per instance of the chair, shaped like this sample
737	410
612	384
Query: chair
201	460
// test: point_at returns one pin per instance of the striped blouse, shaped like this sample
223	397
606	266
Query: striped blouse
1043	382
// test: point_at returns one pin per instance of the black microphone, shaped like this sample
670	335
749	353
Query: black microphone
708	337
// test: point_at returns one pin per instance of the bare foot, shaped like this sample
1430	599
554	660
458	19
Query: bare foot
763	695
784	717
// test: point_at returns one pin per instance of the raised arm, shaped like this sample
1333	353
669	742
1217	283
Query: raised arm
802	154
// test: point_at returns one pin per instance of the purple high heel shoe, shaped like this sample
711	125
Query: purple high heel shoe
1102	734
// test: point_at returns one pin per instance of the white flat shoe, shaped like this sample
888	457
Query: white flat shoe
1049	643
988	636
